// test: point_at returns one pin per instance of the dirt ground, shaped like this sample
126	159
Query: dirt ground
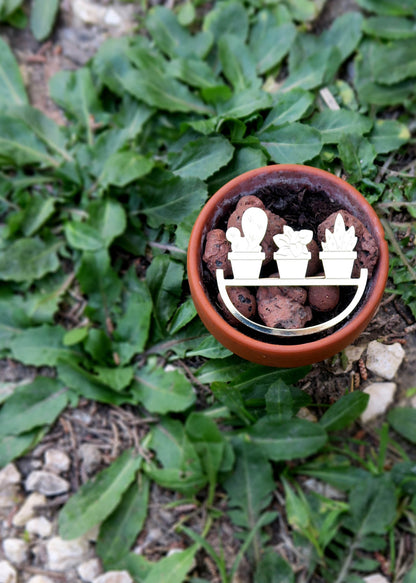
111	429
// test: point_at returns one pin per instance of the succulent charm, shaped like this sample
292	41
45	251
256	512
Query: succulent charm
338	253
341	239
293	243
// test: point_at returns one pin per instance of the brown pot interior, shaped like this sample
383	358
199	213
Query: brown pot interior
278	186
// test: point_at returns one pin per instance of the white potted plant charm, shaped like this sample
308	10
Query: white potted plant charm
338	253
246	255
292	256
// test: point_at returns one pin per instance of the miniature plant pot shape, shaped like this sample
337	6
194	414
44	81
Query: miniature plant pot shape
246	256
338	255
293	256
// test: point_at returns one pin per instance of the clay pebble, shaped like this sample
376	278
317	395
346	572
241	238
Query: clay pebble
284	308
366	247
216	252
242	299
323	298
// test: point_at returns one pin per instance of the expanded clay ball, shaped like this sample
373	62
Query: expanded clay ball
284	309
242	299
323	298
366	247
216	252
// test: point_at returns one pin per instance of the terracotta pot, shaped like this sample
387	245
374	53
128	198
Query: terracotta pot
222	203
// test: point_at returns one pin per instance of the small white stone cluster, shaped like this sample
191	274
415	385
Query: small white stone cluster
28	535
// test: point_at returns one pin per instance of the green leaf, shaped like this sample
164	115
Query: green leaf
168	199
269	42
244	103
389	27
98	498
162	392
202	157
12	88
133	325
43	127
394	62
388	7
403	420
290	107
227	18
232	399
367	83
100	282
249	488
210	348
120	530
108	218
164	280
158	89
42	17
183	315
284	401
373	505
172	38
293	144
28	259
346	410
310	73
182	469
344	34
38	403
208	443
40	346
37	214
194	72
13	446
172	569
273	569
74	91
89	385
82	236
237	63
388	135
333	125
288	439
19	146
122	168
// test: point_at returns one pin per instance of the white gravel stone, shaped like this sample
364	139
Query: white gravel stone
40	526
28	509
46	483
15	550
384	359
7	573
90	456
40	579
66	554
89	570
9	475
324	489
57	461
9	495
381	396
114	577
376	578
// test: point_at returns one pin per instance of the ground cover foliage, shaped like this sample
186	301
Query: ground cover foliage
96	217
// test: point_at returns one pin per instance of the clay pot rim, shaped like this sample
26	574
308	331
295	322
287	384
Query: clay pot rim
276	354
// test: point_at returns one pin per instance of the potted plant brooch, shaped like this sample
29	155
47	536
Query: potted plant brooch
293	255
338	253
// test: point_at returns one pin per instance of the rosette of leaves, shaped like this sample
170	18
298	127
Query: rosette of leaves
293	243
341	239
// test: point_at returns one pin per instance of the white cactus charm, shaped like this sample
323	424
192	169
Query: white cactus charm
246	255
